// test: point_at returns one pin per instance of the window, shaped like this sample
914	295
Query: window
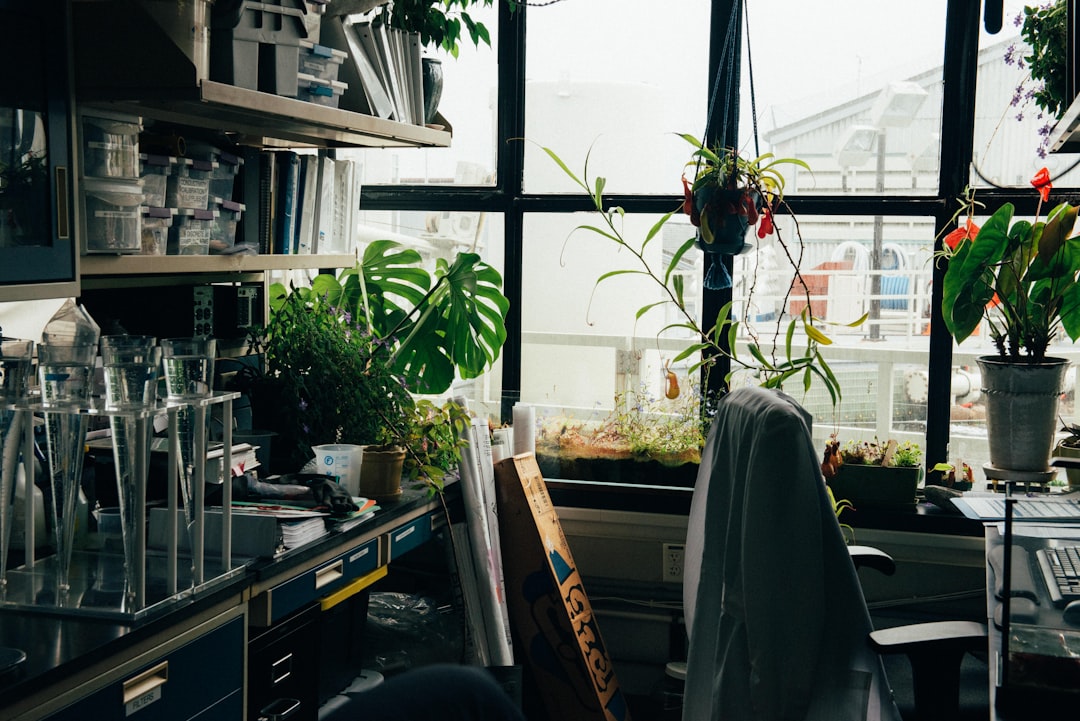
890	123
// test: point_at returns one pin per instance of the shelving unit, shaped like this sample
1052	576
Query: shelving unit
265	120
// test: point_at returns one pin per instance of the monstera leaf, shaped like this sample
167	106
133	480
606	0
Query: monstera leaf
436	326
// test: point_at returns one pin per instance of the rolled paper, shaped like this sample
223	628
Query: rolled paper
524	429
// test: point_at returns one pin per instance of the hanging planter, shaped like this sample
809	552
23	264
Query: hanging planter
728	195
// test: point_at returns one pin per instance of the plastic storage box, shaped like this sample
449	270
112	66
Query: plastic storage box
110	144
223	230
223	174
155	229
255	45
190	231
189	184
320	61
155	171
321	92
113	215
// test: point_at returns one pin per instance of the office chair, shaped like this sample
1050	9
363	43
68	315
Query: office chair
777	621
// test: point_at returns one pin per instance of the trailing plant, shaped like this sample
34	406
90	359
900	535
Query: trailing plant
1020	277
1044	32
717	337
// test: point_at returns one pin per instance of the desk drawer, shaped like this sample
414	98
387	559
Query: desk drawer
204	675
407	537
309	586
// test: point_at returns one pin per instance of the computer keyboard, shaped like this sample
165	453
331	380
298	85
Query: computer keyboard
1060	566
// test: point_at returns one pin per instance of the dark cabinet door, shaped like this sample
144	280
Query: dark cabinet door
37	245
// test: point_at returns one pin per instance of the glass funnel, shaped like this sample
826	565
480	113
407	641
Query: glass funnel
66	377
131	371
189	372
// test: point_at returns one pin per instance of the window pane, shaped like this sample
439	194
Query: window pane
1010	129
881	365
469	103
624	97
871	122
596	376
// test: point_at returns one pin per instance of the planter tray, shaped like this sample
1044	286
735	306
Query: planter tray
876	486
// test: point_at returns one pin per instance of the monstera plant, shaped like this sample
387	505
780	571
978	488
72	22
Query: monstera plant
344	355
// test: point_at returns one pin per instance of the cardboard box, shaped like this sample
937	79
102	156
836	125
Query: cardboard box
554	628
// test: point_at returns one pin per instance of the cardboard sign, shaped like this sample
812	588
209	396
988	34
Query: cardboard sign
553	623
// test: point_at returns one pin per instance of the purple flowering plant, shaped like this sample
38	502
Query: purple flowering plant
1044	32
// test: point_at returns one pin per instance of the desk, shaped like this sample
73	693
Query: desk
1043	647
71	660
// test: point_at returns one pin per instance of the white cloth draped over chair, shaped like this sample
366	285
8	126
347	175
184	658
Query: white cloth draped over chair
777	621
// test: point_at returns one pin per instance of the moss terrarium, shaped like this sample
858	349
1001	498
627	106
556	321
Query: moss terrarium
644	440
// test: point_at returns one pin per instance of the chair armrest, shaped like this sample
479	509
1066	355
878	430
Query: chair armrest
930	637
935	650
873	558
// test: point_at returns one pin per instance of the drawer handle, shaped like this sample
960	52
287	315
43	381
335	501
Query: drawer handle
406	533
279	710
145	682
281	669
329	574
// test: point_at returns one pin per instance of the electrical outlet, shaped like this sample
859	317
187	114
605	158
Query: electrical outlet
674	557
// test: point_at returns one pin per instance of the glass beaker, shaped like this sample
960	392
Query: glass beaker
131	372
66	377
16	357
189	373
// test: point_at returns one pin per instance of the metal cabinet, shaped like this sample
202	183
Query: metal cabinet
38	256
202	674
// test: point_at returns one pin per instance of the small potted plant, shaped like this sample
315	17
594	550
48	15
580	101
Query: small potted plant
1069	447
873	473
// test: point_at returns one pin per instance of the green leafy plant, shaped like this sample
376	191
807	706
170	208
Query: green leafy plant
439	22
1020	277
437	324
433	440
345	355
716	337
327	380
839	506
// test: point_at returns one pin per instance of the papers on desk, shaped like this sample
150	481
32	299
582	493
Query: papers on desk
1026	508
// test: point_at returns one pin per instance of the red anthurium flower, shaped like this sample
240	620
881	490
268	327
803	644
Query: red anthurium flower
969	230
1041	181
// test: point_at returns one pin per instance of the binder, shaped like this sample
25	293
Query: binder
309	194
288	190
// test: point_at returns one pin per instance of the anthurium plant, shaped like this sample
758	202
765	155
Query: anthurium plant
1018	276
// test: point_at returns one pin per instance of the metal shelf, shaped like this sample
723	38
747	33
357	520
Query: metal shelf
265	120
102	266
